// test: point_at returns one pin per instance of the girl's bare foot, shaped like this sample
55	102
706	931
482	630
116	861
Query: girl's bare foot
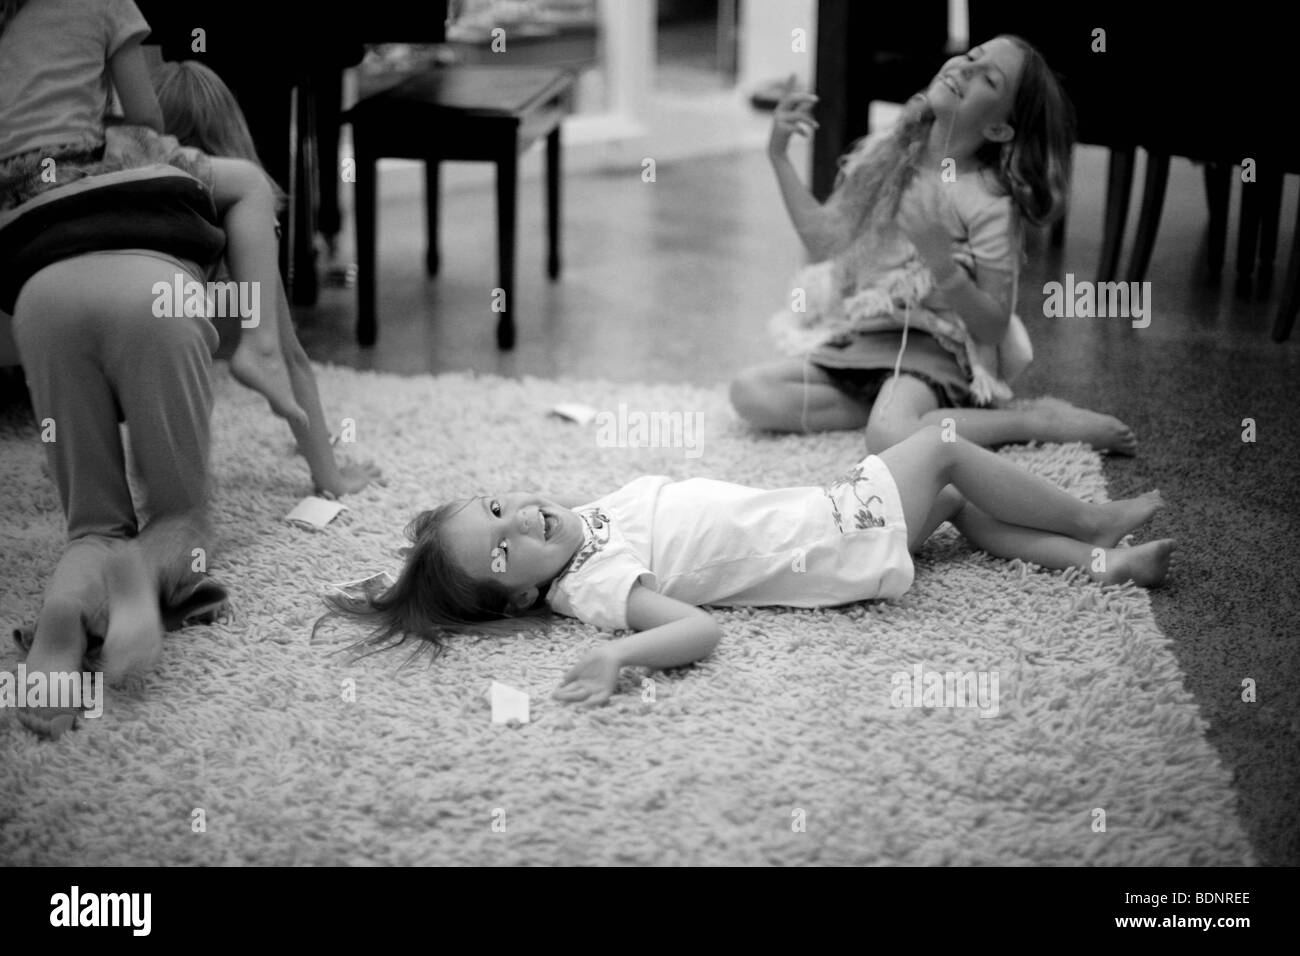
1118	518
1146	565
1060	421
262	369
133	641
57	648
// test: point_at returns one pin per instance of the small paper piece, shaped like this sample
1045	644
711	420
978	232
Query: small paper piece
508	705
314	512
361	591
575	412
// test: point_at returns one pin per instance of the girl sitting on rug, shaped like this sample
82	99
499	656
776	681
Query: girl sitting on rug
201	112
907	314
646	556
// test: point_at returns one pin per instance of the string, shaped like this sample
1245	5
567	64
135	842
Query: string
907	304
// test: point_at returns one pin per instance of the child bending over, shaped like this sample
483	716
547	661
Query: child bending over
201	112
60	58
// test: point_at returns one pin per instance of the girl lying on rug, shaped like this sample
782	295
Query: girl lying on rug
907	313
645	556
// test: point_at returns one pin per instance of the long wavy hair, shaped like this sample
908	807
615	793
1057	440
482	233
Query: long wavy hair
200	110
1033	168
433	598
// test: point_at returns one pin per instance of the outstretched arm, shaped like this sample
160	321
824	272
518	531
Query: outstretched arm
821	229
672	633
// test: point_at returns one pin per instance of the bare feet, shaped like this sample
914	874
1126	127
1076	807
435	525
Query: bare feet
1146	565
1060	421
133	642
262	369
57	648
1118	518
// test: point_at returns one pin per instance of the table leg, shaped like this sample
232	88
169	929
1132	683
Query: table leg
507	184
553	201
365	213
431	184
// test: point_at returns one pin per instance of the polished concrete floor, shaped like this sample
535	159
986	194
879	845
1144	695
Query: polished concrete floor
673	281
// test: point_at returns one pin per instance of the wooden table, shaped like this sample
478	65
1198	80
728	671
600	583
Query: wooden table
466	113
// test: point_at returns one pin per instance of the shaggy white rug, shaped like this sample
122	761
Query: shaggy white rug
782	748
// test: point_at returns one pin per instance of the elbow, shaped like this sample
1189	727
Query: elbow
712	636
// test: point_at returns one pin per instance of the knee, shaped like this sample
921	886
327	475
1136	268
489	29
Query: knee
750	397
885	433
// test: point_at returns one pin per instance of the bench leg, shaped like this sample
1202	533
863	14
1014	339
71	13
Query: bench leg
553	202
1290	301
365	213
507	184
1270	186
1248	237
431	184
1119	184
1153	201
1218	191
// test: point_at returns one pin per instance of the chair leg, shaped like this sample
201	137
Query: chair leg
365	214
1153	202
1248	237
1290	302
1058	231
304	286
553	202
1218	190
432	183
507	176
1270	187
1119	184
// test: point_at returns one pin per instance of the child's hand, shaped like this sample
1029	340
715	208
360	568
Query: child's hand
351	478
918	218
793	115
592	680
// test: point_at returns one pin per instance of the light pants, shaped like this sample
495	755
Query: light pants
94	353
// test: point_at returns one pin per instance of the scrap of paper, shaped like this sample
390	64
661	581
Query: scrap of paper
575	412
313	512
508	704
361	591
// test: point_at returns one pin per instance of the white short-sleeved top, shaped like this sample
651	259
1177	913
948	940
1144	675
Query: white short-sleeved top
54	82
712	542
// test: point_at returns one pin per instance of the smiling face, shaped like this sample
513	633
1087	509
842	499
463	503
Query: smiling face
976	90
520	541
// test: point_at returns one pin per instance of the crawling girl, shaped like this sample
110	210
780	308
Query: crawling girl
648	555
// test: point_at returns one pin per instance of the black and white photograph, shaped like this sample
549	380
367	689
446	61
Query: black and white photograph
650	433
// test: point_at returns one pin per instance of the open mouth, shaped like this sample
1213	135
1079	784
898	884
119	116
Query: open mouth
549	524
951	84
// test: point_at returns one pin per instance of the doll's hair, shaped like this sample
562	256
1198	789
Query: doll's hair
200	110
433	598
8	10
1033	168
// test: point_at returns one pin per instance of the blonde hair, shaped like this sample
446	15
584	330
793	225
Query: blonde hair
1033	168
201	111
